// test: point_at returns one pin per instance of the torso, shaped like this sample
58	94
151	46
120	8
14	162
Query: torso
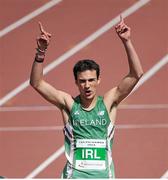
88	141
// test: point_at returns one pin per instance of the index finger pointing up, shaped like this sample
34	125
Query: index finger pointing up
41	28
121	18
43	31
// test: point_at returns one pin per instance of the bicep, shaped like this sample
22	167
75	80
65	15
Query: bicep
120	92
125	87
54	96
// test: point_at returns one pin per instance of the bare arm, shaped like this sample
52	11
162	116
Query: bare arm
117	94
59	98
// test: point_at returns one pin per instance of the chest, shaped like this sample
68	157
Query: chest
94	118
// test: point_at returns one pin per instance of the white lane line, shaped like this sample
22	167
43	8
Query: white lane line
60	128
75	49
28	17
14	92
46	163
142	126
144	106
54	108
34	128
28	108
88	40
165	175
152	71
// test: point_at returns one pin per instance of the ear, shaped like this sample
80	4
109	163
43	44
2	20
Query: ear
76	82
99	80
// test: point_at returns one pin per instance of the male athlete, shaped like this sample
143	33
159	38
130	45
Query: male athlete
88	118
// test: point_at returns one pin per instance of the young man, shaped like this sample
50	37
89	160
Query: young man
89	119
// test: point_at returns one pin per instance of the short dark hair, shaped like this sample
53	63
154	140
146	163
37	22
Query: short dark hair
86	64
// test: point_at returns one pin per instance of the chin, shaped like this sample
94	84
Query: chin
90	97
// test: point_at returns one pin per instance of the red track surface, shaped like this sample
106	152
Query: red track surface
138	152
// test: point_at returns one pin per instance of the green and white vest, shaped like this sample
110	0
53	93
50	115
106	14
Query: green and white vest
88	142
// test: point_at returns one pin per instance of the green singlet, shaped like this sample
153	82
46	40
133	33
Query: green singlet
88	142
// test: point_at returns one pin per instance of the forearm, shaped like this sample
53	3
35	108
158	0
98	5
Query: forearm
36	73
135	68
37	67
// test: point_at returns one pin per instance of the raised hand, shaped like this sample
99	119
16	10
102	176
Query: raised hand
44	39
123	30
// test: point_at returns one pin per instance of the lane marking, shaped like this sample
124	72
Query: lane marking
28	17
141	126
76	48
165	175
54	108
34	128
144	106
60	128
46	163
152	71
28	108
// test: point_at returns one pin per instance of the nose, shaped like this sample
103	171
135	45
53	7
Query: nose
87	85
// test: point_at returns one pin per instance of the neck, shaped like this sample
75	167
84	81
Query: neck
88	104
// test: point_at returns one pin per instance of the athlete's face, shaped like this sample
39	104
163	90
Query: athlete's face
87	83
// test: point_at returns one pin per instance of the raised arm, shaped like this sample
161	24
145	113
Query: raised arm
56	97
117	94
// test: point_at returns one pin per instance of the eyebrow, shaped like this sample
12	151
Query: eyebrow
90	79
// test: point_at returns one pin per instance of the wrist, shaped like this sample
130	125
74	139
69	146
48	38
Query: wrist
40	55
127	42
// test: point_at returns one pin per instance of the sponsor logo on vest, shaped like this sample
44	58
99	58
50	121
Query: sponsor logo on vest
101	113
76	113
86	122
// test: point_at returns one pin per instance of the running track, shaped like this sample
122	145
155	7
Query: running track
31	128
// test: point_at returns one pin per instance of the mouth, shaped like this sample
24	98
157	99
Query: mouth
88	92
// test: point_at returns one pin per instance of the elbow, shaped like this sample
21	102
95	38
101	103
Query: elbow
140	74
31	84
34	84
137	75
